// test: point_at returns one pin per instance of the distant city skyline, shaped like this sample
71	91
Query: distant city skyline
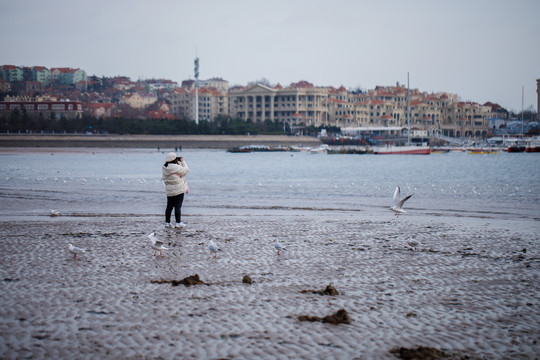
480	50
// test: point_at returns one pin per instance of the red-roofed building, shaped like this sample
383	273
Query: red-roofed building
67	109
100	109
159	114
11	73
67	76
301	85
138	100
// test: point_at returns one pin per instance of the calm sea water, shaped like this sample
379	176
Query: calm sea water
111	181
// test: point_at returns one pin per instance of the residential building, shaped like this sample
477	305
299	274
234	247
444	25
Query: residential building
67	76
100	109
4	86
299	104
11	73
58	109
33	86
41	74
212	103
154	85
138	101
37	74
391	107
215	83
121	83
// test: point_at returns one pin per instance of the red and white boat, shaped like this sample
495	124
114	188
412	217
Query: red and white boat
402	150
533	146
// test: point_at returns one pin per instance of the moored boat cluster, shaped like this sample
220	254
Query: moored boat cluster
482	149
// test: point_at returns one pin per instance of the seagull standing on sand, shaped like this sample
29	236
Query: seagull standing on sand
398	204
156	244
413	243
278	246
54	212
213	248
75	250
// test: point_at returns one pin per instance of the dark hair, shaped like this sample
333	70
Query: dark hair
171	162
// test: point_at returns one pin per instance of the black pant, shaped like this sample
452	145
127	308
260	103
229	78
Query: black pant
176	203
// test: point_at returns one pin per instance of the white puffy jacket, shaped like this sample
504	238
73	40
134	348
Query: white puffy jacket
174	178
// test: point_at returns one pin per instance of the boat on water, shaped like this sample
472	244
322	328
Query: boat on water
300	148
249	148
516	148
402	150
321	149
440	150
533	146
482	151
347	150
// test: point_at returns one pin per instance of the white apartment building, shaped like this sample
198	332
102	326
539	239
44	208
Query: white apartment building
212	103
295	105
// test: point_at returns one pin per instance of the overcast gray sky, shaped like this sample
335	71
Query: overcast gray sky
483	50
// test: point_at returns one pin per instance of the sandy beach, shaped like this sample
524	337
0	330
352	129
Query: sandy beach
470	290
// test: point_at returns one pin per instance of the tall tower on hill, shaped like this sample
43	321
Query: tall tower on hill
196	89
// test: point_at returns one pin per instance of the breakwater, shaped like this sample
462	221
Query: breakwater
153	141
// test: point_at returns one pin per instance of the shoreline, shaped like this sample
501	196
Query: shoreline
151	141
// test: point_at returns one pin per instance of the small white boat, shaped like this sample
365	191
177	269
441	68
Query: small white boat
322	149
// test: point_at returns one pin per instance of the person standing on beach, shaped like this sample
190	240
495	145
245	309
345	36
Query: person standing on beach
174	172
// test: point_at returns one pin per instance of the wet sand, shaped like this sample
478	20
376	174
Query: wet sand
152	141
469	289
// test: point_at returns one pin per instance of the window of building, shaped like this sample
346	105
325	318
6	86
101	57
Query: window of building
58	107
29	107
14	107
43	107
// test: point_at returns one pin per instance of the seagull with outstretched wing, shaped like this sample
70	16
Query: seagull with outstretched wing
398	203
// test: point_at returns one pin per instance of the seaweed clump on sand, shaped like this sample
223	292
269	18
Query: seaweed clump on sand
339	317
427	353
188	281
247	279
329	290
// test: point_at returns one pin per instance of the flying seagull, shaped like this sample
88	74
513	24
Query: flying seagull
278	246
156	244
398	204
213	248
75	250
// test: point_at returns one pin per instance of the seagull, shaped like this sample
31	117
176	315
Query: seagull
54	212
278	246
413	243
213	248
156	244
75	250
398	204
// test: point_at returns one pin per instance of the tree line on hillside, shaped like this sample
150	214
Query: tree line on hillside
21	122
